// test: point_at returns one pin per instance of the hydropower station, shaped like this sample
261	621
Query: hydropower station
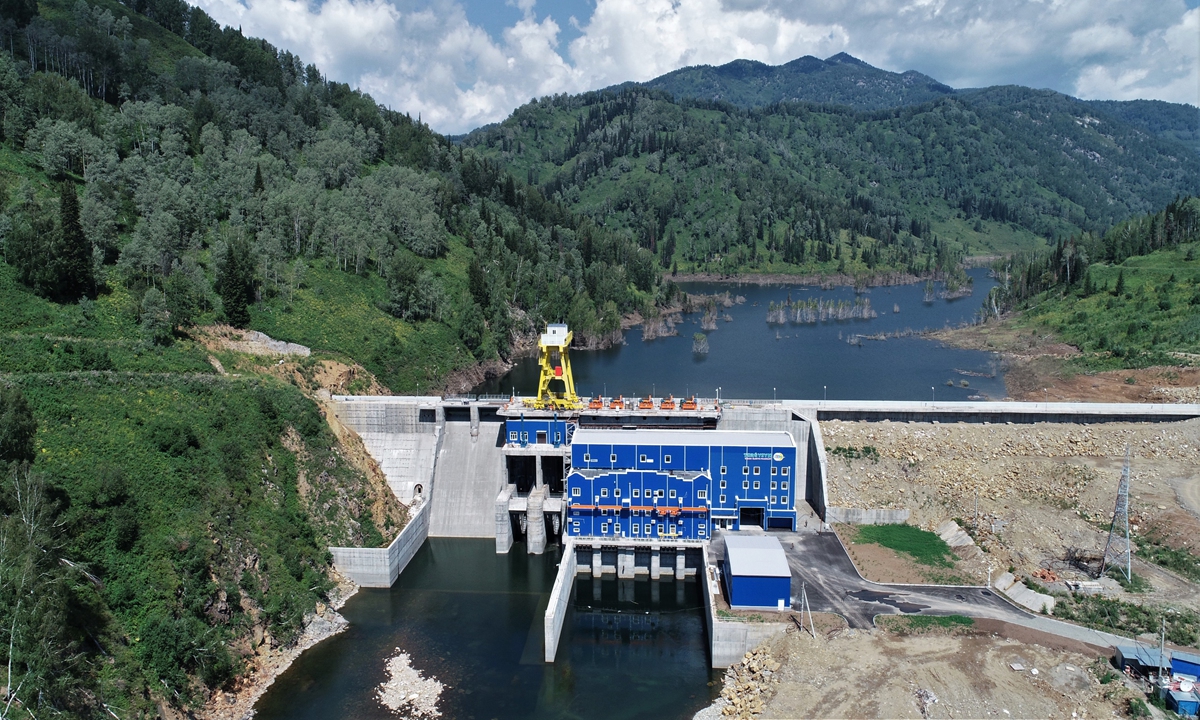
636	488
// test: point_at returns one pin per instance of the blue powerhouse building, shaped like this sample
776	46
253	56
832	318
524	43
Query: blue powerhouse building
679	484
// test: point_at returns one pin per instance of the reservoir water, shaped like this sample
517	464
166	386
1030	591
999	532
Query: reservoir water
749	358
473	619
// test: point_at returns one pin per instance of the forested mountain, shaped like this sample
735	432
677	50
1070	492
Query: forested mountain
846	80
839	80
709	186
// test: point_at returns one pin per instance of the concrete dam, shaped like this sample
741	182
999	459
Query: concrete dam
631	488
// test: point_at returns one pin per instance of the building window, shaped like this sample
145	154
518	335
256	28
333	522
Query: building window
723	469
649	529
701	494
755	484
772	499
774	470
512	436
745	484
575	526
700	530
603	492
637	529
637	493
784	499
722	484
604	528
557	437
783	485
660	529
643	459
672	493
587	458
524	437
612	458
658	493
722	499
745	469
785	471
757	470
603	511
575	492
666	458
774	484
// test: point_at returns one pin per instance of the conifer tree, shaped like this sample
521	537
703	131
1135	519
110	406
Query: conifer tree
235	283
17	427
70	253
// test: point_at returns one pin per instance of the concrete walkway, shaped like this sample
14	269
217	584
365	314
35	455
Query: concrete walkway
469	475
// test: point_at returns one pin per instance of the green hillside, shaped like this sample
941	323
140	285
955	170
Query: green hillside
1128	297
800	187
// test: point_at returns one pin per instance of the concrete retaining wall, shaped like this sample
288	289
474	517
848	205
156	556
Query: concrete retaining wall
403	435
379	567
816	469
556	610
869	516
728	640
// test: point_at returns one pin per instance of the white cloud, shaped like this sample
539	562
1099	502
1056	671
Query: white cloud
425	56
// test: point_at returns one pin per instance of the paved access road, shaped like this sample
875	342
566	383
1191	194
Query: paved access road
821	565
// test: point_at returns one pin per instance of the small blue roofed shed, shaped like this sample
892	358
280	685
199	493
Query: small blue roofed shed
1139	657
1183	703
1185	664
757	572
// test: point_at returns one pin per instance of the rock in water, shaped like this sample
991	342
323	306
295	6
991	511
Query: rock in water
408	694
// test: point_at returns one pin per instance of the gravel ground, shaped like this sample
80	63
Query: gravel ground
408	694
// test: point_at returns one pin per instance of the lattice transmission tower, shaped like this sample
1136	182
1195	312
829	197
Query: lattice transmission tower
1116	550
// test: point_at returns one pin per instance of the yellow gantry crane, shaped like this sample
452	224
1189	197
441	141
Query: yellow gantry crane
556	386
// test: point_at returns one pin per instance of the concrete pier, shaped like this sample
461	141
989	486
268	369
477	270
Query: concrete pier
504	533
560	597
535	533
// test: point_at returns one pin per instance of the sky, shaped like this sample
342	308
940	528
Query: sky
460	64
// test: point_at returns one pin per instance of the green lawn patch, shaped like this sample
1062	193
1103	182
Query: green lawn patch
915	624
922	545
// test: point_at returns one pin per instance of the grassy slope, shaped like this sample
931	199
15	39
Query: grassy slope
1109	327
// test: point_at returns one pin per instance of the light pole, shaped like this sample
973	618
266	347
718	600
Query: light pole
774	398
933	390
826	391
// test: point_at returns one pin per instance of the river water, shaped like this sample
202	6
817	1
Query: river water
749	358
473	619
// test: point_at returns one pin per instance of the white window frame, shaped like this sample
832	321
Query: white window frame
616	492
783	485
637	529
661	529
784	500
612	458
603	492
745	469
643	458
637	493
774	470
666	458
513	436
785	470
723	469
702	494
745	484
722	499
756	485
587	458
574	492
774	485
757	470
671	494
658	493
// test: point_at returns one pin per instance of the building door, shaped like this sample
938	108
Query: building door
750	516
